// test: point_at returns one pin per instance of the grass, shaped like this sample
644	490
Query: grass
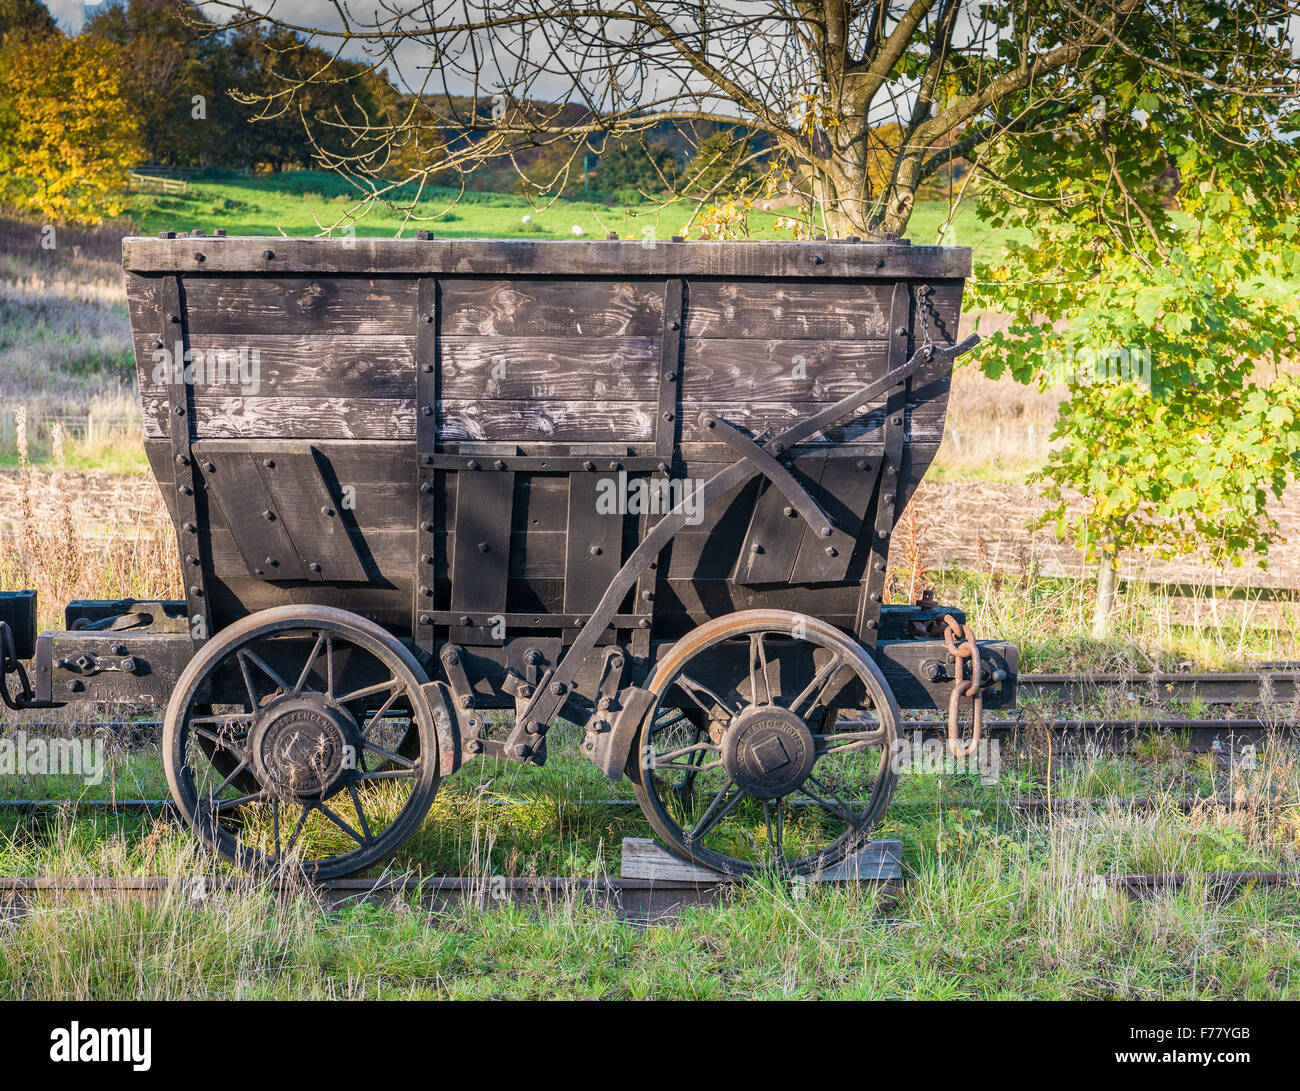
996	905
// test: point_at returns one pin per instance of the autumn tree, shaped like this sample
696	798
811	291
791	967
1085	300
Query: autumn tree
67	134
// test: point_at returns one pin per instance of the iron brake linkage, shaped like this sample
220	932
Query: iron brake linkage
553	690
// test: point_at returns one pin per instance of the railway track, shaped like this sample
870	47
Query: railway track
635	900
640	901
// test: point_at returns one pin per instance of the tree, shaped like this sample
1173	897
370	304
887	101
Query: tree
1078	121
723	161
811	77
27	16
1168	325
67	136
646	167
164	76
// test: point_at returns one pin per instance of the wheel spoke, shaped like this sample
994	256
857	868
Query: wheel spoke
718	810
694	748
821	681
297	829
328	813
221	739
406	763
361	811
329	666
238	801
839	809
775	832
758	669
368	691
229	717
384	774
311	662
261	664
693	689
233	774
860	740
380	714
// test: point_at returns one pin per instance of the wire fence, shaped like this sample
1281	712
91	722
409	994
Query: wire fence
84	427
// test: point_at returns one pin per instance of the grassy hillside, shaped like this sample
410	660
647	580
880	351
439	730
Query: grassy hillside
308	202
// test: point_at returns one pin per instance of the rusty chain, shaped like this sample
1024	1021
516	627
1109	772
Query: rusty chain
961	645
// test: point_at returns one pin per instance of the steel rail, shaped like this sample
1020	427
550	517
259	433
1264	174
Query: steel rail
634	900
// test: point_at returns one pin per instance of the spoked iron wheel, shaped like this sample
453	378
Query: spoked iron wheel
298	738
746	761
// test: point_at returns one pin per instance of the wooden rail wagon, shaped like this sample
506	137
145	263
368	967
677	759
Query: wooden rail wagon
432	496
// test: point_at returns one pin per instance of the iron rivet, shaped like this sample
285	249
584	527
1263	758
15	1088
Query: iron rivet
268	515
427	592
426	619
595	550
269	463
426	487
271	562
426	318
426	558
482	547
427	527
426	410
472	464
269	255
315	566
499	464
668	416
428	369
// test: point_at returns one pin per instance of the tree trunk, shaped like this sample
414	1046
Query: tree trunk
1107	570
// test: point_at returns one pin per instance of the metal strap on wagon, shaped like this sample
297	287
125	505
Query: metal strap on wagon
556	685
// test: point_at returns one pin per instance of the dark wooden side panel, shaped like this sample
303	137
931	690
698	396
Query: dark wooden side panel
300	305
593	542
481	556
551	308
788	309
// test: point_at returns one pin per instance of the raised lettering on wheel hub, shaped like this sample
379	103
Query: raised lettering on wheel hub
768	751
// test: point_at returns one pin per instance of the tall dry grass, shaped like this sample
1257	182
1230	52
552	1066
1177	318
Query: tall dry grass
47	550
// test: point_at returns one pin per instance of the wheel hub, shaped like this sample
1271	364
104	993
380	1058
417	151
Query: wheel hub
768	751
302	746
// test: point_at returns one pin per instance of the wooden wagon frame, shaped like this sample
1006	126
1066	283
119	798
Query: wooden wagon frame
352	489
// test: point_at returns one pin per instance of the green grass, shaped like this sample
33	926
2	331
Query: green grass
997	905
308	202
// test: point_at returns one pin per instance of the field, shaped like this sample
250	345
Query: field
998	903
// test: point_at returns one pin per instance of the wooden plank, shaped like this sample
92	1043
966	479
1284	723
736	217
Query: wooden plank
559	421
314	515
593	548
778	370
547	369
775	309
542	308
251	514
644	858
843	490
481	556
522	257
248	306
292	418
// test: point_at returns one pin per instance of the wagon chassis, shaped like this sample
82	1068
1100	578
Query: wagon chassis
288	734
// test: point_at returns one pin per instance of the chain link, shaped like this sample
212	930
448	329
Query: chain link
960	642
